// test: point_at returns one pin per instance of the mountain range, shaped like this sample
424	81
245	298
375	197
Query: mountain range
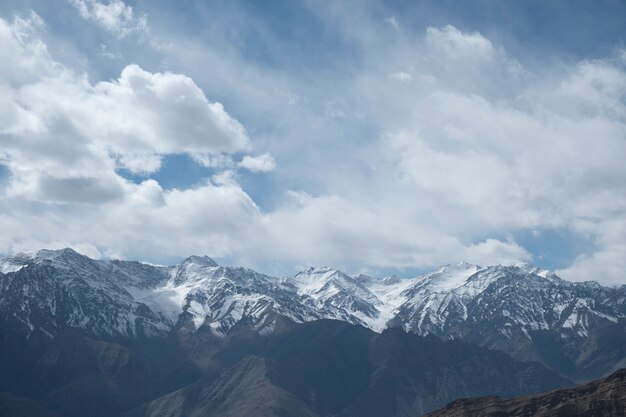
522	310
467	330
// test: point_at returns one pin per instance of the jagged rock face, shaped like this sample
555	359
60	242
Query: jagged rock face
57	289
528	313
335	291
522	310
505	299
603	398
51	290
68	322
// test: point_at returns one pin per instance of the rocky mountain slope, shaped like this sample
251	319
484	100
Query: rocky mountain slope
49	290
529	313
319	368
524	311
603	398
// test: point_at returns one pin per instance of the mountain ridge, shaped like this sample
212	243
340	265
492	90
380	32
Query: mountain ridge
601	398
523	310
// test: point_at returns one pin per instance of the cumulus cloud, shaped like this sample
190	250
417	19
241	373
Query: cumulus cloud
64	137
115	16
170	114
261	163
64	140
150	219
608	263
496	251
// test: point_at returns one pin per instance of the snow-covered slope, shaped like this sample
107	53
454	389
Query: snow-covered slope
337	293
501	300
494	305
55	289
522	310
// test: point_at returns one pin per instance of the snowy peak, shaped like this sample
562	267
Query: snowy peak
204	261
324	283
391	280
447	278
455	301
511	308
505	306
14	263
316	279
339	294
532	269
470	280
193	269
63	259
66	255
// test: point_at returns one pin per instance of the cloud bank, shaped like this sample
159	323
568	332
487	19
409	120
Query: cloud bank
446	147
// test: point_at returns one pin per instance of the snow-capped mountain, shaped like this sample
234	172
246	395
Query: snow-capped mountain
525	311
460	300
520	309
55	289
456	298
334	291
49	290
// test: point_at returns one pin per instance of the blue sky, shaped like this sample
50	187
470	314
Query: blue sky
379	137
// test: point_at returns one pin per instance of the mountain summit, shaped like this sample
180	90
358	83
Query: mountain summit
525	311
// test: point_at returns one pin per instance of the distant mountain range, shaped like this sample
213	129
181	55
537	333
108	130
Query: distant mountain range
522	310
228	327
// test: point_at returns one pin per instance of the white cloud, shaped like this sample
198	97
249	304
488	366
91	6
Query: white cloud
606	264
497	159
261	163
214	160
114	16
170	114
549	155
493	251
458	45
149	222
64	137
475	146
225	178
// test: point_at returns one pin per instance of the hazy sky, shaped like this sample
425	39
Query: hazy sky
372	136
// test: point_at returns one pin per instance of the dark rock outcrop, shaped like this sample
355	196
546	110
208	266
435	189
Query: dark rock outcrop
602	398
